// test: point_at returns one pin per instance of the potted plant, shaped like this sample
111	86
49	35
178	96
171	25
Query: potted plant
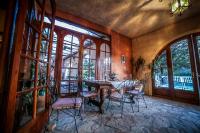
112	76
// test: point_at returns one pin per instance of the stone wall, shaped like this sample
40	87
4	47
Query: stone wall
150	44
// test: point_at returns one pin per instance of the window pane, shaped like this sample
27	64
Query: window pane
102	55
41	100
198	45
66	49
65	74
87	43
24	109
74	74
93	54
74	62
75	40
103	47
46	33
86	53
86	63
92	74
68	38
26	74
182	74
64	87
105	62
107	48
93	46
73	86
65	61
75	49
161	71
85	74
92	64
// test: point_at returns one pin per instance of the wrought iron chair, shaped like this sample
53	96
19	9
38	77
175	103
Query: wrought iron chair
138	93
120	96
69	105
86	95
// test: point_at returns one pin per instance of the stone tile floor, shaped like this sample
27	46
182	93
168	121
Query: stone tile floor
161	116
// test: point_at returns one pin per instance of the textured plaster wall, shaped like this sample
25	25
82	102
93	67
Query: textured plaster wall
150	44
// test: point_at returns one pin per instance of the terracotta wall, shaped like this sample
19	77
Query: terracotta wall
150	44
121	45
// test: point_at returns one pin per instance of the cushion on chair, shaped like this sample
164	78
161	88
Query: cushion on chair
67	103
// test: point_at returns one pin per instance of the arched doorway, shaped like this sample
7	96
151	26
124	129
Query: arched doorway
176	70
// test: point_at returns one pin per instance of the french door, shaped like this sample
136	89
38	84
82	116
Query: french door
175	73
196	39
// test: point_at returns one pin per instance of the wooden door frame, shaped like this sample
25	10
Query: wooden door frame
171	93
197	61
10	93
61	33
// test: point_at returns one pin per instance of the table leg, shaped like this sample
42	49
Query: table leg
89	88
101	100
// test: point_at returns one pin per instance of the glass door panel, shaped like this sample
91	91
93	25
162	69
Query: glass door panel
181	66
160	74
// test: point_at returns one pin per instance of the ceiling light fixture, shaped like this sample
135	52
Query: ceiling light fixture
179	6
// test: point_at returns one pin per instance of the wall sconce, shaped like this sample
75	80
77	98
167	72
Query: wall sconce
123	59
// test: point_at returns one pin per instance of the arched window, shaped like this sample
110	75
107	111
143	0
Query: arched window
105	61
70	57
89	59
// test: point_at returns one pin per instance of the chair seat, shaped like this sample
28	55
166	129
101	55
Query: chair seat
67	103
116	95
88	94
134	92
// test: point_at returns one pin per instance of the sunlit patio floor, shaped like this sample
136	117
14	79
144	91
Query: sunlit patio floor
161	116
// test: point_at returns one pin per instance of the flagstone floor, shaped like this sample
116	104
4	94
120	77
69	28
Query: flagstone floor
161	116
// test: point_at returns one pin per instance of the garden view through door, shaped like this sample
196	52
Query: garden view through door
181	66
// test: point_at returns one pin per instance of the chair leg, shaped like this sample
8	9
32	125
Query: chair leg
132	106
122	108
75	120
79	113
144	101
138	104
83	105
57	114
75	123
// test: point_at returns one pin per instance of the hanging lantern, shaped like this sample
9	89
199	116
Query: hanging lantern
179	6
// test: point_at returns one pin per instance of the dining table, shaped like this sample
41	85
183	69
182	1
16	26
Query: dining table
101	86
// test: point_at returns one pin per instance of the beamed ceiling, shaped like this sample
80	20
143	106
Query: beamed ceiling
131	18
